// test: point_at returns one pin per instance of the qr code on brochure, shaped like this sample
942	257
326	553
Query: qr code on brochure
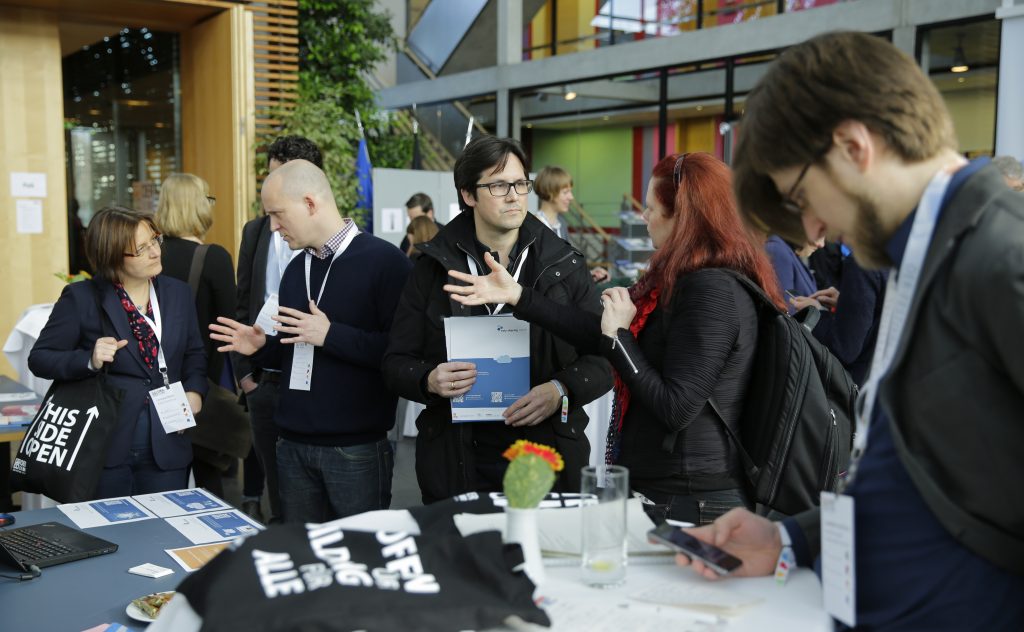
496	397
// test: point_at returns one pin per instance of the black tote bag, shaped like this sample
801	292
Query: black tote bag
65	447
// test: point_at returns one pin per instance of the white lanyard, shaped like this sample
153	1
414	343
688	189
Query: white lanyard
157	326
309	264
279	262
515	277
899	294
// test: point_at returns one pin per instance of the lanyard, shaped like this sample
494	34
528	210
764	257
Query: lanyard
309	264
899	294
280	263
157	326
515	277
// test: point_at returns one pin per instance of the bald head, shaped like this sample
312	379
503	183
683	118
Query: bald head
298	199
297	179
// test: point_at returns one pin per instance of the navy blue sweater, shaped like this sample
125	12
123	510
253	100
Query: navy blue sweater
348	403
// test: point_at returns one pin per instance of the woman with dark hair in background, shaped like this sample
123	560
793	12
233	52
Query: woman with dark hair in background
155	324
684	334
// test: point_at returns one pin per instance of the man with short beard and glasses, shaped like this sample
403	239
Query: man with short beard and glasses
846	136
491	181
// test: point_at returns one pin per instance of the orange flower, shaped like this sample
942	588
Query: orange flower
521	447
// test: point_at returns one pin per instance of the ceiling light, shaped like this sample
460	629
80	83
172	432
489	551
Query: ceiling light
605	118
960	80
568	93
959	58
700	108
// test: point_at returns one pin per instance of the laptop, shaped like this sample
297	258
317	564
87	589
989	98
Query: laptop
49	544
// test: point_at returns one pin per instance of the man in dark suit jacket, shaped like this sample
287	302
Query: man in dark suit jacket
935	537
262	258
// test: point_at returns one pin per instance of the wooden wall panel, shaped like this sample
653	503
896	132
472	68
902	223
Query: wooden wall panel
31	139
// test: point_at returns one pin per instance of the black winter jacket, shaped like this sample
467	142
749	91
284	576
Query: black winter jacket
445	464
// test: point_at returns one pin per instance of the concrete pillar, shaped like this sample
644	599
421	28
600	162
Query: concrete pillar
1009	123
510	32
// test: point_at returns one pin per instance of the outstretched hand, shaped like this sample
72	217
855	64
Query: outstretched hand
311	327
244	339
494	288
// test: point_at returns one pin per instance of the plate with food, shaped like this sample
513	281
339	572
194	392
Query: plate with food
147	608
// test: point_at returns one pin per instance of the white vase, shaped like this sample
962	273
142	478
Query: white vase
521	528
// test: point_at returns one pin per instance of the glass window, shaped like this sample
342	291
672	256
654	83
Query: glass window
121	125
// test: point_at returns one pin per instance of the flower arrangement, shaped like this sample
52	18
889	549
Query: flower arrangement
71	278
531	473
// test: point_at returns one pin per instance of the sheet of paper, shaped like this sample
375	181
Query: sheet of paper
264	320
499	346
27	396
616	615
706	598
101	513
218	526
28	184
180	502
192	558
172	408
29	217
393	220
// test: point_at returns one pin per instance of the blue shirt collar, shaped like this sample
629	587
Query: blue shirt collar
897	244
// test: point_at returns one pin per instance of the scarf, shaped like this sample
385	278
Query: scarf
148	344
645	304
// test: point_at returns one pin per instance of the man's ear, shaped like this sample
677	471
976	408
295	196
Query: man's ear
858	146
468	198
310	203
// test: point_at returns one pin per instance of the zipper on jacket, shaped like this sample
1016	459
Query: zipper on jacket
827	476
625	354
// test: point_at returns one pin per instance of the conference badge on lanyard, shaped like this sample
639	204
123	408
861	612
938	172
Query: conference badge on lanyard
169	400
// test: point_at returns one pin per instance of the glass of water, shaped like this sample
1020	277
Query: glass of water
604	491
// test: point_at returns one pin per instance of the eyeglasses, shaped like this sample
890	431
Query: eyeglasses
211	199
787	202
154	243
501	189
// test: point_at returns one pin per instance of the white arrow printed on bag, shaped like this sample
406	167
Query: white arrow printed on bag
92	413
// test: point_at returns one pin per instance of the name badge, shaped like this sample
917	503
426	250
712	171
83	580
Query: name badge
302	367
172	407
838	572
264	320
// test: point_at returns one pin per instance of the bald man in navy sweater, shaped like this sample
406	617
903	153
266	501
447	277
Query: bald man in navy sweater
337	300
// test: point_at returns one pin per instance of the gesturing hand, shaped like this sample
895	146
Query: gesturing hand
311	327
451	379
494	288
800	302
618	310
104	351
534	407
829	297
243	339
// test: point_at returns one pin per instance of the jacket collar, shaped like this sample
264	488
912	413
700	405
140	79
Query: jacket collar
112	306
960	214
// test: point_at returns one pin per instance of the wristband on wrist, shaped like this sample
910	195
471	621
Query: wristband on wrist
565	400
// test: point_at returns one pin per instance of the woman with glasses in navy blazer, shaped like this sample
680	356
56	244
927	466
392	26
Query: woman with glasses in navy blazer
123	247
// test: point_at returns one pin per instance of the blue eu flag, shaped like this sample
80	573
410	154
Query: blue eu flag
364	175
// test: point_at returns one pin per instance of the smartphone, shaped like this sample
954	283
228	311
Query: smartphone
712	556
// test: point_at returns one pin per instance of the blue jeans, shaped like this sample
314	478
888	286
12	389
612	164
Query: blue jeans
140	474
321	483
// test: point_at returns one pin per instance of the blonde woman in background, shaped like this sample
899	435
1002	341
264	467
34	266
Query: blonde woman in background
184	215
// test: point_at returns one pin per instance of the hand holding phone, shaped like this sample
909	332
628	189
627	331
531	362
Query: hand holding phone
678	540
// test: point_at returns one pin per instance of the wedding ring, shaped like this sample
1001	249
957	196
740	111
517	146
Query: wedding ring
451	385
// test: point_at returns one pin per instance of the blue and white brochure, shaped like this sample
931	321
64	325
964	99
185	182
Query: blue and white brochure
180	502
499	346
217	526
102	513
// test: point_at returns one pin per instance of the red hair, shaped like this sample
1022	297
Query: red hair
708	231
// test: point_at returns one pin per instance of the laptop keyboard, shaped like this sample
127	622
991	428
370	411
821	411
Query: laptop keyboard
26	544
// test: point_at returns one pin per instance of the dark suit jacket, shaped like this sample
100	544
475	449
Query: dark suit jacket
955	392
252	281
65	346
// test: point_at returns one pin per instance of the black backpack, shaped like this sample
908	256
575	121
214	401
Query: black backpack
796	428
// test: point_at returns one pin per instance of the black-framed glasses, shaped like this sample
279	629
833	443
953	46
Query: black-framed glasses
787	202
501	189
211	199
155	242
